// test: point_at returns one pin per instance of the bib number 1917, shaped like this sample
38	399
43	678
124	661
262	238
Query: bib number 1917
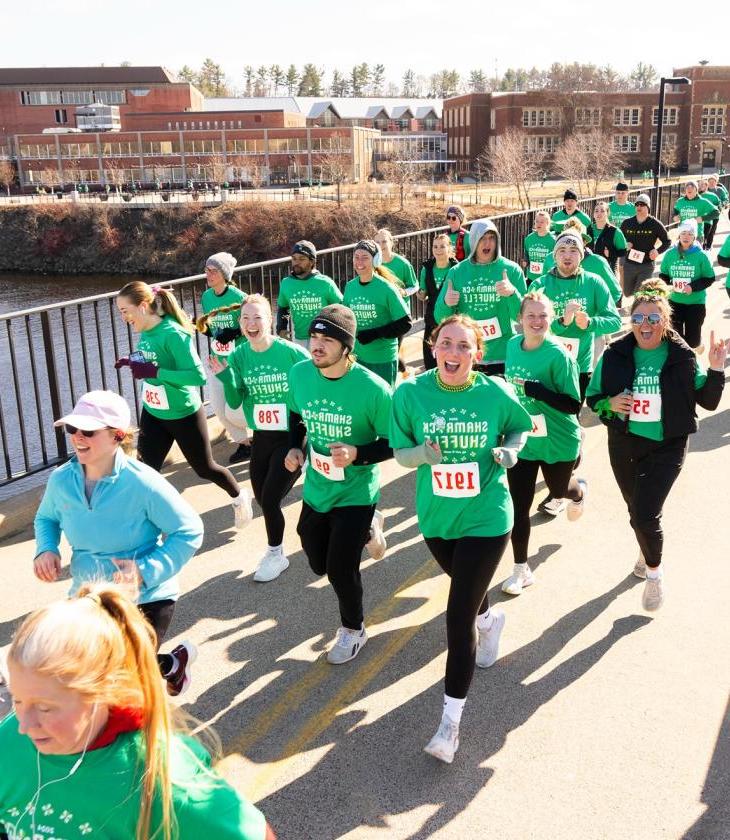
455	480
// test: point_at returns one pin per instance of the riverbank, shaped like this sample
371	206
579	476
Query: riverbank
175	241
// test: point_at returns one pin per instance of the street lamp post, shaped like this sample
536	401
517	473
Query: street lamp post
671	80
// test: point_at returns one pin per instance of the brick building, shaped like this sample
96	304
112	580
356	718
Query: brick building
695	121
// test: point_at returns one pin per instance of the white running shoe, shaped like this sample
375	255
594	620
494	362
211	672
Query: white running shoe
488	641
640	567
445	742
242	509
575	509
347	645
653	596
521	577
272	564
376	545
551	506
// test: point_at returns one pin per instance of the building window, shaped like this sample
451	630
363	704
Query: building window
492	120
40	97
539	117
713	119
77	97
627	116
588	116
468	145
110	97
61	116
671	115
626	142
541	143
668	140
468	116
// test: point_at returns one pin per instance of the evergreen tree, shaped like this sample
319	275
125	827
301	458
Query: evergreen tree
261	85
377	80
248	80
643	76
409	84
277	76
478	81
310	83
187	74
339	85
291	80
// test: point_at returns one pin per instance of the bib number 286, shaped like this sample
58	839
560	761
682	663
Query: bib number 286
456	481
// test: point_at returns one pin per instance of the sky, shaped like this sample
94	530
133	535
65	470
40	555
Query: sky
423	35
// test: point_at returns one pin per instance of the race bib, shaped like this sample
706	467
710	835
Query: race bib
539	426
535	267
636	256
222	349
155	396
455	481
571	345
491	328
646	408
679	284
271	417
324	465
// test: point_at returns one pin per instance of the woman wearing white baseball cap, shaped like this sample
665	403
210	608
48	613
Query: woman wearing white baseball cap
113	511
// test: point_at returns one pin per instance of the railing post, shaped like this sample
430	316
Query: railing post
53	389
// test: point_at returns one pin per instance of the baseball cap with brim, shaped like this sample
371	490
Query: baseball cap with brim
642	198
98	410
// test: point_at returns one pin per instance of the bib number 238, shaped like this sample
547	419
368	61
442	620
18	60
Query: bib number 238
155	396
455	481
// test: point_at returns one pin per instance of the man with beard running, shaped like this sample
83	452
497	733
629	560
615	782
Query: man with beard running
344	410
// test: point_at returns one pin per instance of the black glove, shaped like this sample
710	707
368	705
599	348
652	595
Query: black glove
366	336
228	334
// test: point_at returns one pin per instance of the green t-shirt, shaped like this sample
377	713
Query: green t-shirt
725	252
354	409
466	495
209	301
561	217
304	297
596	301
618	212
646	414
260	382
721	193
683	267
439	275
102	797
467	245
375	304
174	393
595	264
536	249
555	435
694	208
476	283
403	270
715	200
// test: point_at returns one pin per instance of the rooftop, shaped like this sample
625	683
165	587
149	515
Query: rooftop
347	108
55	76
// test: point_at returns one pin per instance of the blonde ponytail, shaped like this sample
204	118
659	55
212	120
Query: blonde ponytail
161	301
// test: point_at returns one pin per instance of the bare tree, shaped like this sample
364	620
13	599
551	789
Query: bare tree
114	173
50	177
335	164
72	172
7	174
218	167
587	159
668	158
512	161
401	168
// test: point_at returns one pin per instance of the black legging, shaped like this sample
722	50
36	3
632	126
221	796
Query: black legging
687	320
156	437
561	483
710	230
159	615
645	471
470	562
271	480
333	542
429	361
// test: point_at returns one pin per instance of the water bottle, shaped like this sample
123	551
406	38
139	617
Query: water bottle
620	414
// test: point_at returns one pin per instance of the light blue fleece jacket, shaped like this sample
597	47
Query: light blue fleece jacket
128	512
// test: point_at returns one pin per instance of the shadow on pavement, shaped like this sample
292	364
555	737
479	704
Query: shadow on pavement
714	432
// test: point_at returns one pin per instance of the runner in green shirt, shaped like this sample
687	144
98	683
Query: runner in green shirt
607	240
570	211
537	246
723	259
302	294
430	280
167	363
256	377
693	206
645	389
545	378
82	751
487	287
344	410
221	305
621	208
688	270
380	311
458	234
462	431
711	224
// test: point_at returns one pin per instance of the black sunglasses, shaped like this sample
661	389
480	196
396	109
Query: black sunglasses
452	218
71	430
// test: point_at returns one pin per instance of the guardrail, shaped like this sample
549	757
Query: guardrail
51	355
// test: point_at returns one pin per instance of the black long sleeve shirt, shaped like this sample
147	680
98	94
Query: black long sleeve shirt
644	235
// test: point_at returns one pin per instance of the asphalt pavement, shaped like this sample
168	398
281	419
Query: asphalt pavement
598	720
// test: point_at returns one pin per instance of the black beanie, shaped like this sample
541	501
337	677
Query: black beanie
335	321
569	194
